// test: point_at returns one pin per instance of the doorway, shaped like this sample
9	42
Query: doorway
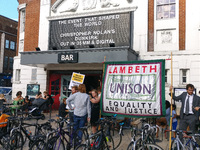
64	89
92	82
59	85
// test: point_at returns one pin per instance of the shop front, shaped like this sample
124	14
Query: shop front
89	62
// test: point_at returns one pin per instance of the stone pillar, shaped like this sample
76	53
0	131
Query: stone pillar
2	51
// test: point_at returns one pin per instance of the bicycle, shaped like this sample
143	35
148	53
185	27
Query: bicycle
146	140
189	142
21	131
56	142
100	140
115	129
6	141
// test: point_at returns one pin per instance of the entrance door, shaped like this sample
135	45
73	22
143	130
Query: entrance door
92	81
65	92
54	89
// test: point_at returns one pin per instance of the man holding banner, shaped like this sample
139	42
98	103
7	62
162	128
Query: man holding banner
189	113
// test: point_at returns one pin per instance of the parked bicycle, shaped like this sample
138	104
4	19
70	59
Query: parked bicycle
146	139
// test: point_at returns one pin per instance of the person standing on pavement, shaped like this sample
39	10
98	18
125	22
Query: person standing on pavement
71	111
189	112
95	109
82	107
63	112
174	120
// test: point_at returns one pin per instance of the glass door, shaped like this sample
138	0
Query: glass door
65	92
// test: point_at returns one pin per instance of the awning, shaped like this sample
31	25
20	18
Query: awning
89	58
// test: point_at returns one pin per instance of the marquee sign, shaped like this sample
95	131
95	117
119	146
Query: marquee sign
98	31
134	89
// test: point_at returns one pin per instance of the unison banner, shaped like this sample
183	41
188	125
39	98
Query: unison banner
134	89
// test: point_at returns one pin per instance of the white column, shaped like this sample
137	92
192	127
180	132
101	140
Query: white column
2	51
44	24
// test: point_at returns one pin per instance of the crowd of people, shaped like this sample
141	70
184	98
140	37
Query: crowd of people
25	104
81	107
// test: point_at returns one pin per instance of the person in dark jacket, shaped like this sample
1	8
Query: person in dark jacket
95	109
189	113
63	112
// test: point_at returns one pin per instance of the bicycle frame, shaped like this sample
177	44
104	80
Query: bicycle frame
61	134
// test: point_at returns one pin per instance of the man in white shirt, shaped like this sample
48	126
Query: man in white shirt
189	113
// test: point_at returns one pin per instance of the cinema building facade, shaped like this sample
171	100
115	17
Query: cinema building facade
59	37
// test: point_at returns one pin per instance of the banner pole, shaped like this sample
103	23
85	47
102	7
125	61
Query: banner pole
170	137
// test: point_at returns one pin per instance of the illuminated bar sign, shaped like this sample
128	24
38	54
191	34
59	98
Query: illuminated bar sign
68	57
94	31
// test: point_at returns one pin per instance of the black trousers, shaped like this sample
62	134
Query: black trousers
188	120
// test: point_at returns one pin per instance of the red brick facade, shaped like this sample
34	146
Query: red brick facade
52	2
31	24
150	25
182	13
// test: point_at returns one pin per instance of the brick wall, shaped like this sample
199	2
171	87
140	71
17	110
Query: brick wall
52	2
31	24
182	13
9	27
151	25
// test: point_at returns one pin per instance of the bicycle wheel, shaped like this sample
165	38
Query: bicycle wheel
4	141
81	147
174	145
117	138
81	136
131	146
38	145
150	140
110	142
138	143
188	144
16	141
44	129
150	147
55	143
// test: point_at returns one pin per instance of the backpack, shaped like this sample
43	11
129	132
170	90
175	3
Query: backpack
4	118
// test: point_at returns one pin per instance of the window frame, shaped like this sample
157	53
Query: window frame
12	43
22	20
166	75
5	63
7	45
163	6
34	74
10	62
17	75
184	75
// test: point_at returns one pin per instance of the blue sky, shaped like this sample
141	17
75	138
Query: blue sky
8	8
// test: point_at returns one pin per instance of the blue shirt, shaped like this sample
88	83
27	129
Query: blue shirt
168	115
